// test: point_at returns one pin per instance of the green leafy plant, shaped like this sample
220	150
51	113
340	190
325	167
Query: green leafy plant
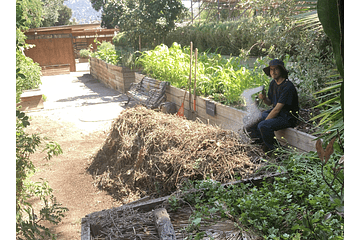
106	52
174	203
85	53
304	203
28	220
223	79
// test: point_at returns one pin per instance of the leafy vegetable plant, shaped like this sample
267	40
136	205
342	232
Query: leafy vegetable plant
223	79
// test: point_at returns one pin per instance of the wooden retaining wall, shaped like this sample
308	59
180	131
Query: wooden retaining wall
231	118
115	77
225	117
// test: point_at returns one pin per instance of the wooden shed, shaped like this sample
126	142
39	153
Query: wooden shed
57	47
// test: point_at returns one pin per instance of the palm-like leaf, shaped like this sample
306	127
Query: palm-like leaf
332	115
308	17
331	97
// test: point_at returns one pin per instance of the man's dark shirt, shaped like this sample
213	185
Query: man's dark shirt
284	93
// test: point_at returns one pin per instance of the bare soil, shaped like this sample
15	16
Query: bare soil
67	176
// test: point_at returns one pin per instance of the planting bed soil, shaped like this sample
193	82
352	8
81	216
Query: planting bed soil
305	125
149	153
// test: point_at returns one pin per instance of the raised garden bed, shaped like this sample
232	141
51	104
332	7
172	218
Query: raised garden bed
231	118
115	77
31	99
207	110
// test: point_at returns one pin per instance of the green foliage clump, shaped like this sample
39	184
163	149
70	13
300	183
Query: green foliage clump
228	37
106	52
31	73
122	40
223	79
28	220
85	53
305	203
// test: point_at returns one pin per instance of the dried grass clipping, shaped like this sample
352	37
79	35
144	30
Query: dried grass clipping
148	152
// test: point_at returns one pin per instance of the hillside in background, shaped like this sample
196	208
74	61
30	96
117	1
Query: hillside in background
83	11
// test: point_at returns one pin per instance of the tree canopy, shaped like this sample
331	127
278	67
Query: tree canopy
147	17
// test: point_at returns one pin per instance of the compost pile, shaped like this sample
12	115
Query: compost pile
152	153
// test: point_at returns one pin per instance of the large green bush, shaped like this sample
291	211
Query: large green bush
32	72
229	37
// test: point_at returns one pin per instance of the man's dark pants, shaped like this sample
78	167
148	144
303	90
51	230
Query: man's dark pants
265	128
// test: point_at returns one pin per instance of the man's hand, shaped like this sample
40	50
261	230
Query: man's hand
263	97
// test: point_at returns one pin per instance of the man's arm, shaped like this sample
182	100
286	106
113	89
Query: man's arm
276	110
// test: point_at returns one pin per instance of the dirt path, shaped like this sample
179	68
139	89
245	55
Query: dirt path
77	114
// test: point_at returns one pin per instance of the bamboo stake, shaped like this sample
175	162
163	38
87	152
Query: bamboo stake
196	52
191	50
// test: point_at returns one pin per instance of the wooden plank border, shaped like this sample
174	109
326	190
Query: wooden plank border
231	118
226	117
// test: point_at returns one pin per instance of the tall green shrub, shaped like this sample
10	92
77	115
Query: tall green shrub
29	222
32	72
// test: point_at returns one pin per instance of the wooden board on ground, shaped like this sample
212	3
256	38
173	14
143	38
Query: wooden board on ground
93	223
30	100
51	70
163	224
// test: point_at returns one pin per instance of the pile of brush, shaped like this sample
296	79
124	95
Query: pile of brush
148	152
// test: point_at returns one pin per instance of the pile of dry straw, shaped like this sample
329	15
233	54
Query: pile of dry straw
148	152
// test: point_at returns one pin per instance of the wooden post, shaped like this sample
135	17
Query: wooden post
163	225
191	53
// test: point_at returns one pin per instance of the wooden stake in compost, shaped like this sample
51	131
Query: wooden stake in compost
191	50
196	52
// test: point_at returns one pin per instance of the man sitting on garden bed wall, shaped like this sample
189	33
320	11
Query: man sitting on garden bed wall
283	96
